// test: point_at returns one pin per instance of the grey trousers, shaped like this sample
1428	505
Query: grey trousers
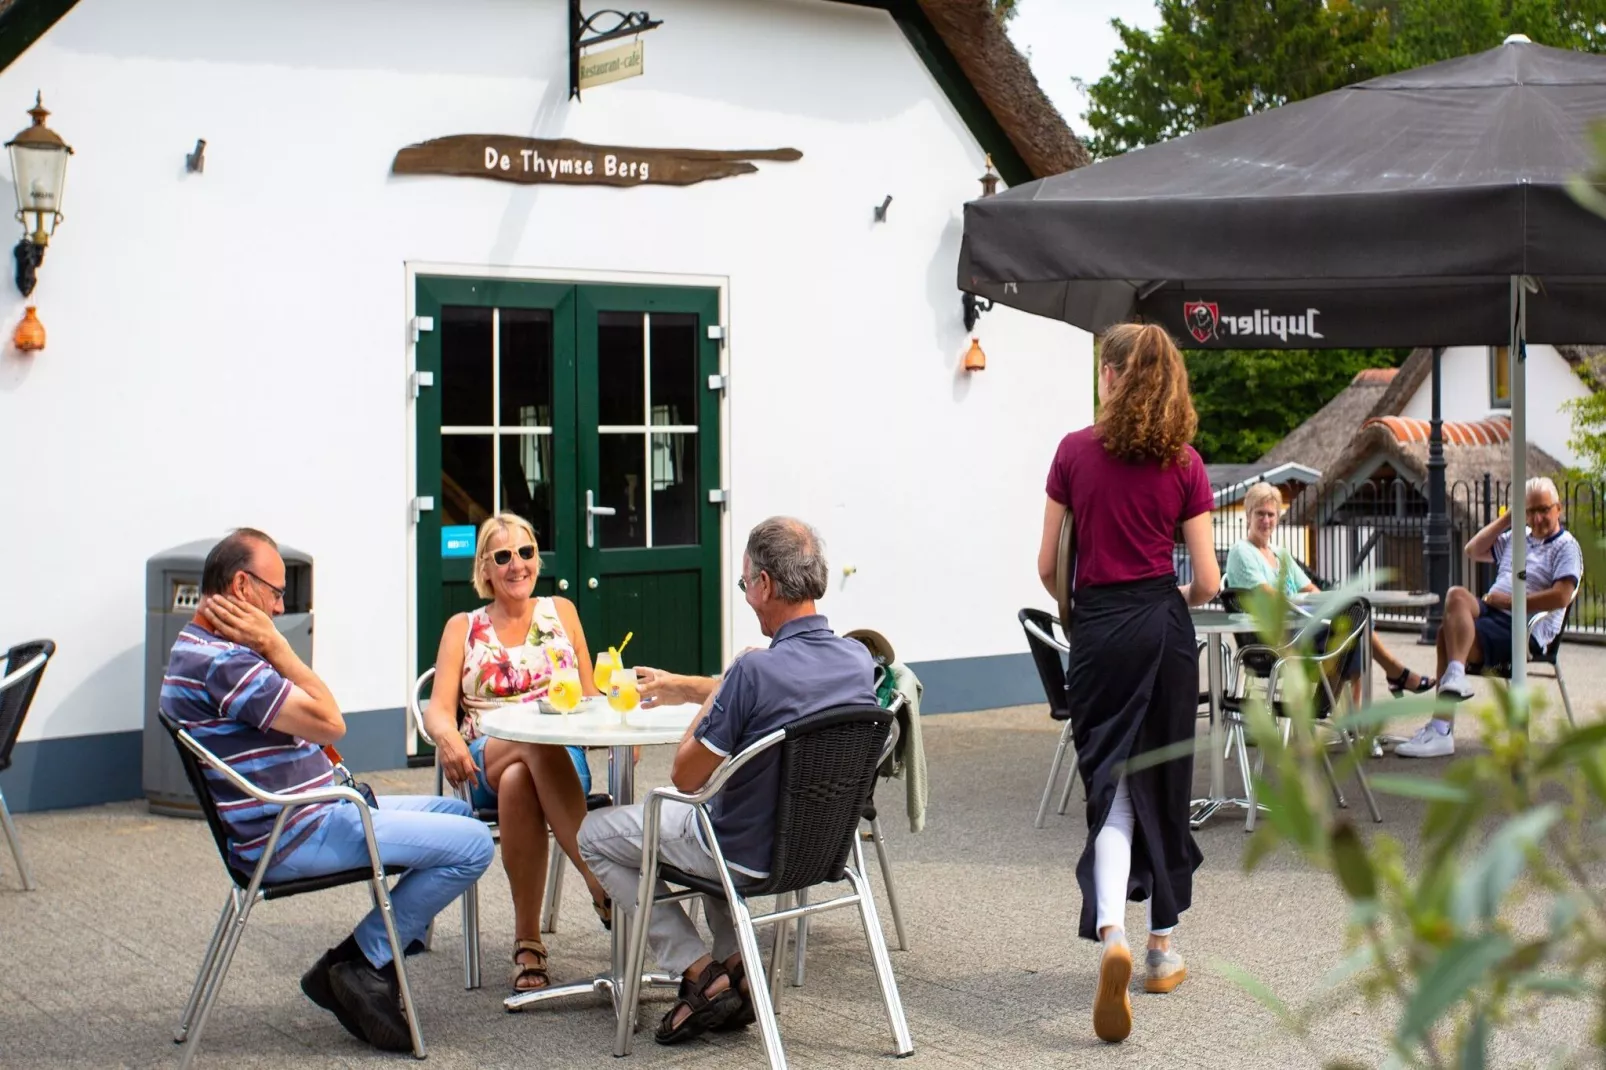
610	843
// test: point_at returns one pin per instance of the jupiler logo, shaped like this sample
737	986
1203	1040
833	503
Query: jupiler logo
1205	322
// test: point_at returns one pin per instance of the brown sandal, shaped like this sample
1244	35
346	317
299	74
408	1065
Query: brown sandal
704	1012
536	969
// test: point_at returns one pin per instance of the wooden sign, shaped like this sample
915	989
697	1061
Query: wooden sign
613	64
533	161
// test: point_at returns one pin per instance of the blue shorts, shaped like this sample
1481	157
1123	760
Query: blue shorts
1493	629
483	796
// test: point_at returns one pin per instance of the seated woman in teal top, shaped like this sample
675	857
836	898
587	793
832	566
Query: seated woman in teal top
1254	564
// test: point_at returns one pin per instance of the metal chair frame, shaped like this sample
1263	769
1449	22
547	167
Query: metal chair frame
237	909
1552	654
1289	655
762	991
471	897
17	678
1034	631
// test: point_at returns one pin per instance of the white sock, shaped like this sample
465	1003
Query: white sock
1441	726
1454	673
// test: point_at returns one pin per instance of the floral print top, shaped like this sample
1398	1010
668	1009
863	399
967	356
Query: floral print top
495	675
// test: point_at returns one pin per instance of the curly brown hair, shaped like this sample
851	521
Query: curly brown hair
1148	414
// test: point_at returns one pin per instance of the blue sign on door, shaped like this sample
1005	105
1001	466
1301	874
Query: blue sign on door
457	540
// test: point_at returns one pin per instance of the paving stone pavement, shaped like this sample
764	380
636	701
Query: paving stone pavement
96	964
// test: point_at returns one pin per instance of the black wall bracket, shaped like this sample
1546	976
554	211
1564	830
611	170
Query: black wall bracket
624	24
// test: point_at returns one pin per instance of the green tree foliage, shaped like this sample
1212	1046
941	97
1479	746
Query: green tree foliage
1250	399
1212	61
1589	413
1005	9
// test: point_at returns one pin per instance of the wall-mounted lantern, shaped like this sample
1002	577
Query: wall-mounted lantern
39	169
970	305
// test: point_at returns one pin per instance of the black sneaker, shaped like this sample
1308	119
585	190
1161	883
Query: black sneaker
315	984
373	999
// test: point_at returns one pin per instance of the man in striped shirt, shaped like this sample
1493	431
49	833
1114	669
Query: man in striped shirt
241	692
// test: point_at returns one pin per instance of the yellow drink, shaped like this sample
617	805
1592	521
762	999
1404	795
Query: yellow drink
604	670
622	693
564	690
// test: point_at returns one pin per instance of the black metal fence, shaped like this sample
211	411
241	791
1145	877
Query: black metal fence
1367	528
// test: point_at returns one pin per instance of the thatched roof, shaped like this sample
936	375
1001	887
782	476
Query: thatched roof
1470	451
1004	80
1318	442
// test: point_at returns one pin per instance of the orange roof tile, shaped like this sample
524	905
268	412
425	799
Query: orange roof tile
1375	376
1491	432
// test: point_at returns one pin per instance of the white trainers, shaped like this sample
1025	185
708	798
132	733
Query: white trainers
1454	686
1429	743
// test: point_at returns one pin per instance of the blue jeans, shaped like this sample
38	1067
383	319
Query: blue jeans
443	845
483	796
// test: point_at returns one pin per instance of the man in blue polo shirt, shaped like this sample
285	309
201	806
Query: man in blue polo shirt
1476	633
234	682
805	669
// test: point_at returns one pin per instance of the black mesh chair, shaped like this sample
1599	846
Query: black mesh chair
25	666
1537	655
1255	661
828	766
250	888
1049	651
471	898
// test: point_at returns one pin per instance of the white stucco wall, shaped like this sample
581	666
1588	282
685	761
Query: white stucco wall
1551	383
230	347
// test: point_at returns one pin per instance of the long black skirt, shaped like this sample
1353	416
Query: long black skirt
1134	688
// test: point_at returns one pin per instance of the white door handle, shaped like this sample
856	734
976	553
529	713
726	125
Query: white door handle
591	527
592	583
563	585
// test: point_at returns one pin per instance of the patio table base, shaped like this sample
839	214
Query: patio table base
602	983
1205	809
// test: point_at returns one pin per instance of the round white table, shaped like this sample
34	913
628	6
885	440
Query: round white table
594	724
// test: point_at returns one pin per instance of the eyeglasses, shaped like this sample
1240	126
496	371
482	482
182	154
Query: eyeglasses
1541	510
278	592
504	555
741	585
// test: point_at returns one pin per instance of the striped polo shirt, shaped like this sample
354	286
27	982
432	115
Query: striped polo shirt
1549	561
228	696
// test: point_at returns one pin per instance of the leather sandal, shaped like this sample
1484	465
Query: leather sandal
526	970
706	1012
1397	686
744	1015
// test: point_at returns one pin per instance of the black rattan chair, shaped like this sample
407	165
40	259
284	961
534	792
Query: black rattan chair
828	766
1537	655
1311	646
1049	652
471	898
250	888
25	666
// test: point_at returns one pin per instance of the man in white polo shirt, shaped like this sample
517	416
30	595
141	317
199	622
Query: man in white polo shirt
1476	634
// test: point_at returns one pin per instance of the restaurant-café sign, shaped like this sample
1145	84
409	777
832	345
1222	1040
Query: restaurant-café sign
535	161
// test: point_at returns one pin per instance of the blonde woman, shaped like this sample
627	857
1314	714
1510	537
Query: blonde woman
502	654
1255	563
1129	482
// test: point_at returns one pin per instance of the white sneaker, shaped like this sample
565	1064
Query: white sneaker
1428	743
1454	686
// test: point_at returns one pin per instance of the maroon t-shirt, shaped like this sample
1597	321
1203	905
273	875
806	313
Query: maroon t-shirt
1127	515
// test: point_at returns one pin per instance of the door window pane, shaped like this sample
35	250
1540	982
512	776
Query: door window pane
621	367
622	485
527	482
467	479
674	490
465	366
674	368
525	359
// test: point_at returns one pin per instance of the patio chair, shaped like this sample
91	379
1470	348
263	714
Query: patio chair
827	766
1550	656
1256	661
250	888
874	835
471	898
25	666
1049	652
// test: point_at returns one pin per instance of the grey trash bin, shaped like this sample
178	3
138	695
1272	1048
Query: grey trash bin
172	591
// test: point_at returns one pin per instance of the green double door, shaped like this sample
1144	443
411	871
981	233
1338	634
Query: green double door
590	412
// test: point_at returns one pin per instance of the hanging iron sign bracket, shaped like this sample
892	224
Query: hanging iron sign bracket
624	24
